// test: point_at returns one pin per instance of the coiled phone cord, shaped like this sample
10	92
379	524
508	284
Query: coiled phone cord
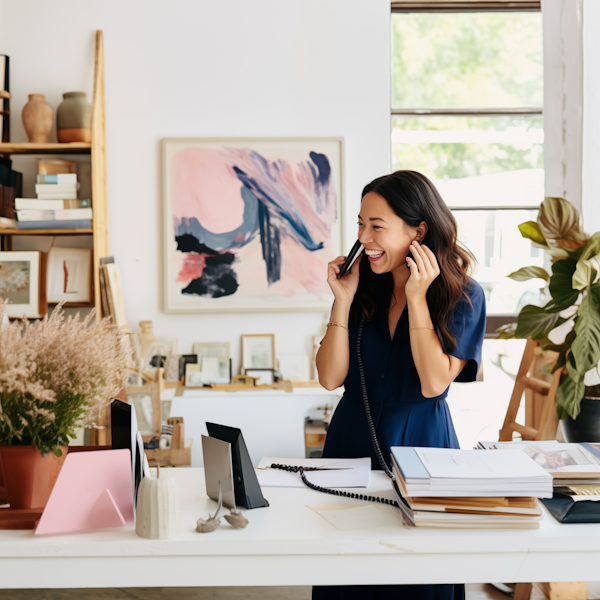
378	453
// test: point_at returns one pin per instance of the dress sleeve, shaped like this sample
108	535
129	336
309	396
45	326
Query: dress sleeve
468	325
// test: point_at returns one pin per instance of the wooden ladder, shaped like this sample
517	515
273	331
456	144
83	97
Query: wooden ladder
547	422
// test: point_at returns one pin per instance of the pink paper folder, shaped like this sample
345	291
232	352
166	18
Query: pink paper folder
93	491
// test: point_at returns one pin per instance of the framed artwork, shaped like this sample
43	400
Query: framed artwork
23	283
69	275
258	351
294	368
159	346
262	376
250	224
211	349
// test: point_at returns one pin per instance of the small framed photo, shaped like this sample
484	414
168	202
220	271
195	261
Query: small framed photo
70	275
215	370
294	368
23	283
258	351
262	376
211	350
159	346
193	375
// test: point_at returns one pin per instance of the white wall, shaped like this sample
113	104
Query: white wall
201	68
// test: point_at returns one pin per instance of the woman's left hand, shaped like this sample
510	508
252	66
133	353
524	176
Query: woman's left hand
424	269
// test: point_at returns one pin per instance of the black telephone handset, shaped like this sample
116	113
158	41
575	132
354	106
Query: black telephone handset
352	256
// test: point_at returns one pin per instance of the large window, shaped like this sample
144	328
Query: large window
467	90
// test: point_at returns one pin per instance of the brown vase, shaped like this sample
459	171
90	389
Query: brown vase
37	118
28	476
73	118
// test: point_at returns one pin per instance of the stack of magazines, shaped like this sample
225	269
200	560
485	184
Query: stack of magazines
449	488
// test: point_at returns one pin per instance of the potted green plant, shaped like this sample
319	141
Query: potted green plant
55	375
569	323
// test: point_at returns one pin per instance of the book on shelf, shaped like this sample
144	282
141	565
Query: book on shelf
78	224
54	215
568	464
57	195
37	204
57	178
11	184
55	188
4	102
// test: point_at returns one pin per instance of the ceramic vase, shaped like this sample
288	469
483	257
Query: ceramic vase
586	427
157	514
37	118
28	476
73	118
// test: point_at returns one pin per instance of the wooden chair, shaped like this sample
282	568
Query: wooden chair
540	426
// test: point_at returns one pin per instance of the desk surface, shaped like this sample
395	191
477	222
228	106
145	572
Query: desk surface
289	544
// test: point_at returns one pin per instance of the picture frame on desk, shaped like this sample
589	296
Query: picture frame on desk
278	222
23	283
258	351
69	275
262	376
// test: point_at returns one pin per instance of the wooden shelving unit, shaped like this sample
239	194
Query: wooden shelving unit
97	152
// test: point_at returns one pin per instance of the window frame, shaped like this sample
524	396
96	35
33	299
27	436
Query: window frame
447	6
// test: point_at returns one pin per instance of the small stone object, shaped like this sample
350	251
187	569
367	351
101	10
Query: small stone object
236	519
210	524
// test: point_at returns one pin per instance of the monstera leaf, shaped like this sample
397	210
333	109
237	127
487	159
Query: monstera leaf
559	222
586	346
568	397
531	230
526	273
560	286
536	321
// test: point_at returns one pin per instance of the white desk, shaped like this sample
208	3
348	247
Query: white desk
289	544
272	421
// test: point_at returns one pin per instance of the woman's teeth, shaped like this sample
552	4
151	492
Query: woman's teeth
374	254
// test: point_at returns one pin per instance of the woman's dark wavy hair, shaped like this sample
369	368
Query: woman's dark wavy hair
414	199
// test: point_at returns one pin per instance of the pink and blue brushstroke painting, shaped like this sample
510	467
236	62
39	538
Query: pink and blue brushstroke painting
231	203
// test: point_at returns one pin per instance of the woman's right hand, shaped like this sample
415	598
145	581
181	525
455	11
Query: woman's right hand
343	289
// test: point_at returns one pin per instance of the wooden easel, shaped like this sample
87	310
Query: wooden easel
540	426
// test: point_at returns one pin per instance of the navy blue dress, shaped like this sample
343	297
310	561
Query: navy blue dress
401	414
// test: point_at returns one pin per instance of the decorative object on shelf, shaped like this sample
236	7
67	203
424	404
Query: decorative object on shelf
294	367
172	367
193	375
93	491
157	515
210	524
4	98
276	226
166	435
258	351
570	322
23	283
73	118
55	166
236	519
56	376
113	288
184	361
37	117
211	349
262	376
69	275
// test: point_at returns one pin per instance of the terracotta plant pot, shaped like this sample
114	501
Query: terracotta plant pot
73	119
37	118
29	477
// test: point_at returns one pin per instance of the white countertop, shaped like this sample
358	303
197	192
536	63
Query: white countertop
290	544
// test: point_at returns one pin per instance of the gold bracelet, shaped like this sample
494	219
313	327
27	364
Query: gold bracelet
336	324
418	328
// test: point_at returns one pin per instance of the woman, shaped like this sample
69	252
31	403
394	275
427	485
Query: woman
422	323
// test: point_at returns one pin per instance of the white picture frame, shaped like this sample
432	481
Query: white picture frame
262	376
69	275
208	349
258	351
23	283
214	259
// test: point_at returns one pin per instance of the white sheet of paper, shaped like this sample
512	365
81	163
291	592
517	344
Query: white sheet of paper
350	472
359	517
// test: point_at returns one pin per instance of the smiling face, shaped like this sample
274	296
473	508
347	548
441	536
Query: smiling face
385	236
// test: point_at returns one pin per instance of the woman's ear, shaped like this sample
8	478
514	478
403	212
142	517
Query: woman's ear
421	231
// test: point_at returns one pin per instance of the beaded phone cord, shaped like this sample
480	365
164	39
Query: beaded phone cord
378	453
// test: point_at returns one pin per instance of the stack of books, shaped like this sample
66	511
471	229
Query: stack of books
56	205
448	488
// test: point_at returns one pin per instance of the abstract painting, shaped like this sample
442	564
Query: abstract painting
20	274
250	225
70	275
